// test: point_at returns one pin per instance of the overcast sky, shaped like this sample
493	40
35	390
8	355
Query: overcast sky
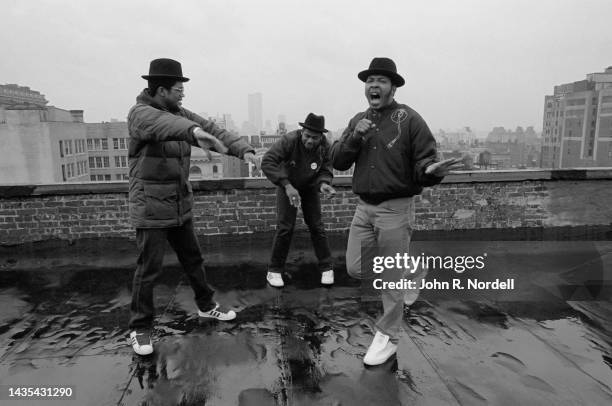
478	63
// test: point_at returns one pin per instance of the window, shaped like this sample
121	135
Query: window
106	162
118	176
98	162
104	143
107	177
97	144
117	163
92	178
64	172
125	176
124	161
92	162
72	169
89	145
61	149
123	143
115	143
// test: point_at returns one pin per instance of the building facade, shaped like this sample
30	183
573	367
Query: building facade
577	123
107	148
42	145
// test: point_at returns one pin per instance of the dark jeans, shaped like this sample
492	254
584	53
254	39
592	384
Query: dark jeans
151	243
285	217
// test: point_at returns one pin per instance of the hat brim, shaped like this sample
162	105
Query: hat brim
396	79
178	78
319	130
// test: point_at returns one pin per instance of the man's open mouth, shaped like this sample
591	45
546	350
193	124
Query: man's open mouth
374	96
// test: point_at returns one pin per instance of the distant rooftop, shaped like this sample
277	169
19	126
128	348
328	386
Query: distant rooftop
15	96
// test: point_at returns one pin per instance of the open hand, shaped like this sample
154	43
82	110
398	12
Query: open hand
443	168
252	158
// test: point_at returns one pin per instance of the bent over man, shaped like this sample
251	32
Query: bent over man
299	165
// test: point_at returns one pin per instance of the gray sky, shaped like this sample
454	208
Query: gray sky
478	63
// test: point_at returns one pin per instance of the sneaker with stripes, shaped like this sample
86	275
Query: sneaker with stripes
218	314
141	342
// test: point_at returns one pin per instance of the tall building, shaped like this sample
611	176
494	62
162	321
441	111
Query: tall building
256	111
39	143
577	125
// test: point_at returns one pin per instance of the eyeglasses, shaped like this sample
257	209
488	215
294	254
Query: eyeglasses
179	90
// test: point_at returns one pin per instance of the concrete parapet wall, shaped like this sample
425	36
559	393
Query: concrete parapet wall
469	200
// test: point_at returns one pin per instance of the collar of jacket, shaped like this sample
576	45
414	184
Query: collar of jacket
145	98
384	110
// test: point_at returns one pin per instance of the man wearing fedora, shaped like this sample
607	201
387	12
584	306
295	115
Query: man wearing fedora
395	157
299	165
162	133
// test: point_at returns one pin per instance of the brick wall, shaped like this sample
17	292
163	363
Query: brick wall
477	200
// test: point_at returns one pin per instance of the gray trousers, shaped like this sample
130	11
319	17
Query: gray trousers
382	230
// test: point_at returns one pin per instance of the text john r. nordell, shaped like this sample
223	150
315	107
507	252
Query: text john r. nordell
453	284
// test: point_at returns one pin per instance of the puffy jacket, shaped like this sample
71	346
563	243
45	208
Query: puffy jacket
160	194
287	161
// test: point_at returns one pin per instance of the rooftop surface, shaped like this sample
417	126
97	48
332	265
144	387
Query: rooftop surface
547	343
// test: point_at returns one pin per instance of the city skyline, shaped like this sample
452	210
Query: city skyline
481	64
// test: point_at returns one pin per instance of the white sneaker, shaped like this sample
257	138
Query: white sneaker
380	350
218	314
275	279
327	277
141	342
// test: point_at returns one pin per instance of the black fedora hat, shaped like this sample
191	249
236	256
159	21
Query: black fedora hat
165	68
385	67
314	123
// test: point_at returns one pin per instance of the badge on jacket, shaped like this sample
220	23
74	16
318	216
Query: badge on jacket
313	166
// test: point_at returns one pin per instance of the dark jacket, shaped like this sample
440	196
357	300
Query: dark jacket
287	161
390	160
159	157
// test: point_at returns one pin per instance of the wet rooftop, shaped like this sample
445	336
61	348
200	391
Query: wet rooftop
549	343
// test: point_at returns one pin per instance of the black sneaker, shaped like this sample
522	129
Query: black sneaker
141	342
218	314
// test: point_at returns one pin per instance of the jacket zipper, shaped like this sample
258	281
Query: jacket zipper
178	192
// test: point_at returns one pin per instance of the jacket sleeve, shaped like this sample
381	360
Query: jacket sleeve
148	124
424	152
236	145
326	173
345	151
271	164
